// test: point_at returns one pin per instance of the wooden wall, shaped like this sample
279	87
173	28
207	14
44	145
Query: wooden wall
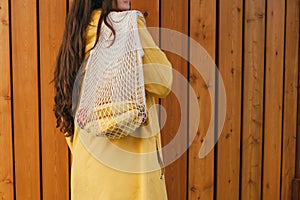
255	44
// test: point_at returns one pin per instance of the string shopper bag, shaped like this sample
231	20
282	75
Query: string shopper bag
112	95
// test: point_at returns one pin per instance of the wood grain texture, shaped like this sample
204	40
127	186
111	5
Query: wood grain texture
260	68
295	189
253	92
230	67
203	31
290	97
54	147
174	17
26	103
296	180
273	99
6	154
149	9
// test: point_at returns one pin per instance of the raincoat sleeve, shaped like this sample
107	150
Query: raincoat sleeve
156	66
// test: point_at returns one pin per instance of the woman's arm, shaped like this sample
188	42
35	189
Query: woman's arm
157	68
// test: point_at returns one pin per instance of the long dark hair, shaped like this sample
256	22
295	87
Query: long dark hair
70	56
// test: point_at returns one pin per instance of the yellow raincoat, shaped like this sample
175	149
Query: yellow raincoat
127	168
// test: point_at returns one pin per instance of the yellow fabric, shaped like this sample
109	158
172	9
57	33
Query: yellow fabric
91	179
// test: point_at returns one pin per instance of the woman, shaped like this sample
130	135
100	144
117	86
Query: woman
91	176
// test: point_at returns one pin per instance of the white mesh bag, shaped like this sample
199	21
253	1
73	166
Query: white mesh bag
112	100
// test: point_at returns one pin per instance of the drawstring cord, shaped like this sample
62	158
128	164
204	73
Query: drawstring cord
162	172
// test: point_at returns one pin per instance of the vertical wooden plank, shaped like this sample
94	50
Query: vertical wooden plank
149	9
290	97
295	189
26	104
230	67
253	90
203	31
54	147
273	99
174	16
296	180
6	154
